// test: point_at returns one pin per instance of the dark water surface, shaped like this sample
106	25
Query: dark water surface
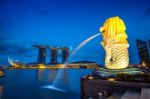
28	83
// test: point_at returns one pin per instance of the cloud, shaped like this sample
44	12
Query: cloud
10	47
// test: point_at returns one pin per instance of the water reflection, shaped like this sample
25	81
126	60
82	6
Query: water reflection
63	80
1	91
41	74
46	74
65	77
52	74
49	75
26	84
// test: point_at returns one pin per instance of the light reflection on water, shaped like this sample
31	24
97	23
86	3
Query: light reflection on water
26	84
1	90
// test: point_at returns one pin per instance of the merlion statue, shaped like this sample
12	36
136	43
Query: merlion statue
115	43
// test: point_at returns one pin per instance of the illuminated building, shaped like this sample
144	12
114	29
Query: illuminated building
53	55
143	52
41	54
115	43
65	53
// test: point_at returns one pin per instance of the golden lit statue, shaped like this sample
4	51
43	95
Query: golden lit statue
115	43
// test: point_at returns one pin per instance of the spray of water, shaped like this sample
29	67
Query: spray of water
53	86
82	44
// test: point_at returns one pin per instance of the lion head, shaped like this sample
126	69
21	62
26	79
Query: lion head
114	29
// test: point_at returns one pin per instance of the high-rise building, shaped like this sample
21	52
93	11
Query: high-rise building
41	54
65	54
149	46
53	55
143	52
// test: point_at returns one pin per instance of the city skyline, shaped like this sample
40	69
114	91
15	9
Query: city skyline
24	23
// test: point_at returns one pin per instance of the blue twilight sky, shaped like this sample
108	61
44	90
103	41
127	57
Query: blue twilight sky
67	23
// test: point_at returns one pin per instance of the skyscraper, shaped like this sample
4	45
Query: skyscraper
53	55
65	53
149	43
143	53
41	54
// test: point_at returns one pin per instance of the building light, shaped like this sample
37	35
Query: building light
110	79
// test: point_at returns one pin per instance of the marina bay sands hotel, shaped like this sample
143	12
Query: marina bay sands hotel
53	54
